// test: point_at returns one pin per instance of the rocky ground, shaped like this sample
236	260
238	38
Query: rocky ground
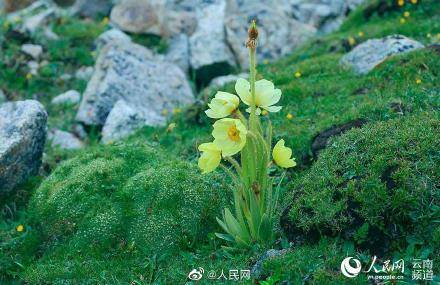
100	100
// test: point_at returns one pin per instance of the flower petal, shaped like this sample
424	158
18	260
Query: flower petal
242	87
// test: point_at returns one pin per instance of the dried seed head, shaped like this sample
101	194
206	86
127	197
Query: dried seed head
252	35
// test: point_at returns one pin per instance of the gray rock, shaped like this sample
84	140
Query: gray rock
84	73
33	67
136	17
64	140
124	120
369	54
271	253
279	34
111	36
223	80
50	35
130	72
209	52
22	138
178	51
87	8
35	51
79	131
69	97
31	24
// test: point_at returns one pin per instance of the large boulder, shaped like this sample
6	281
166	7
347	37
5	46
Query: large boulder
279	34
210	55
369	54
130	72
22	138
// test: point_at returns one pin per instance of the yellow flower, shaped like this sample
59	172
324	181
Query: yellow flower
351	41
298	74
210	158
222	105
176	111
406	14
105	21
414	1
400	2
164	112
265	95
171	127
264	113
20	228
418	81
281	155
229	135
402	20
361	34
289	116
29	76
266	61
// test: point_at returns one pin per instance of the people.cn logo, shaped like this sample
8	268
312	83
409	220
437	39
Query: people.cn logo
196	274
348	270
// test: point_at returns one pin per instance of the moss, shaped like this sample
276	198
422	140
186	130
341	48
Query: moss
375	185
119	202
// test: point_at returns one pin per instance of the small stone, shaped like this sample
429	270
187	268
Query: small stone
124	120
33	67
84	73
35	51
69	97
64	140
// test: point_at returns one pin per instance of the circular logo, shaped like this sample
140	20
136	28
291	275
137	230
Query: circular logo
196	274
348	270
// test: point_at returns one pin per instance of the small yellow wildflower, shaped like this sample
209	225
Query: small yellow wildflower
171	127
29	76
229	136
105	21
414	1
418	81
282	155
298	74
19	228
351	41
93	53
265	95
402	20
289	116
264	113
265	61
406	14
164	112
6	25
400	2
361	34
176	111
210	158
222	105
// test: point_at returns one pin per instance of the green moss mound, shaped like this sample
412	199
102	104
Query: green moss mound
113	208
376	186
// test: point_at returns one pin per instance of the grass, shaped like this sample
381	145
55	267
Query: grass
72	223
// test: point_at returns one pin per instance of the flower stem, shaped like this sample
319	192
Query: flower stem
252	45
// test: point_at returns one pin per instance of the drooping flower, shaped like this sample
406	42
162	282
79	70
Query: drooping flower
229	136
210	158
265	95
281	155
222	105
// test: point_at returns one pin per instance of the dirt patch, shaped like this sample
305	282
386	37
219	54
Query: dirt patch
320	140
